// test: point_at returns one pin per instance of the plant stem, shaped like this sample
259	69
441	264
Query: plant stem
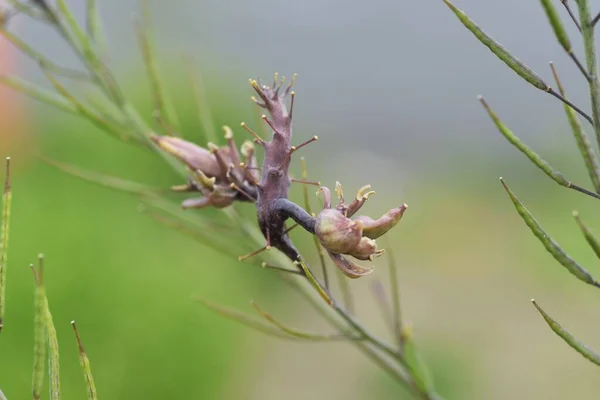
587	30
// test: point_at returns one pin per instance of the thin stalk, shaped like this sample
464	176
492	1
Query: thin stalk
565	3
308	209
396	309
589	43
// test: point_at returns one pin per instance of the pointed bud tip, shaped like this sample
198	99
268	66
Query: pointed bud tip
575	213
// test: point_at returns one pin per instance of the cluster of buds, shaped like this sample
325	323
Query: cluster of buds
340	235
222	177
218	173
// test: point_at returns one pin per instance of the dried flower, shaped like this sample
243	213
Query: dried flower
339	234
217	172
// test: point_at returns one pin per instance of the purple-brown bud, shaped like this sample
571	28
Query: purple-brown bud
375	228
195	157
336	232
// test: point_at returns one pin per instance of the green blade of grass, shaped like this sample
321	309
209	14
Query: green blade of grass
587	233
85	365
551	246
4	233
585	147
538	161
567	337
315	337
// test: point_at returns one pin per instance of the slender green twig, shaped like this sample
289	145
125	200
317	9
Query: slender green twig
308	209
302	334
162	104
395	291
204	113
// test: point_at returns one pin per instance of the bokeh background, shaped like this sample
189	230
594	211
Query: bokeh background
390	88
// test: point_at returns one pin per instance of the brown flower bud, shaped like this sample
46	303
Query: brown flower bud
348	268
375	228
195	157
336	232
366	250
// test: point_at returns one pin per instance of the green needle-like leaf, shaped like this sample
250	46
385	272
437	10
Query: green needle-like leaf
4	233
85	366
551	246
587	233
567	337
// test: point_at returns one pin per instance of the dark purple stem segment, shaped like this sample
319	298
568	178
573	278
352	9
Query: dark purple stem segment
272	205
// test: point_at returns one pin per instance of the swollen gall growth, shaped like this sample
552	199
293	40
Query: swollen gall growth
223	175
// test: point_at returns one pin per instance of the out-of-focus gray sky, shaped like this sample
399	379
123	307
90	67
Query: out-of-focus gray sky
398	76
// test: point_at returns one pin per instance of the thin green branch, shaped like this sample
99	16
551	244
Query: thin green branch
112	127
395	291
308	209
585	147
4	233
551	246
94	25
44	62
85	365
303	334
323	292
542	164
204	113
246	319
567	337
163	108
